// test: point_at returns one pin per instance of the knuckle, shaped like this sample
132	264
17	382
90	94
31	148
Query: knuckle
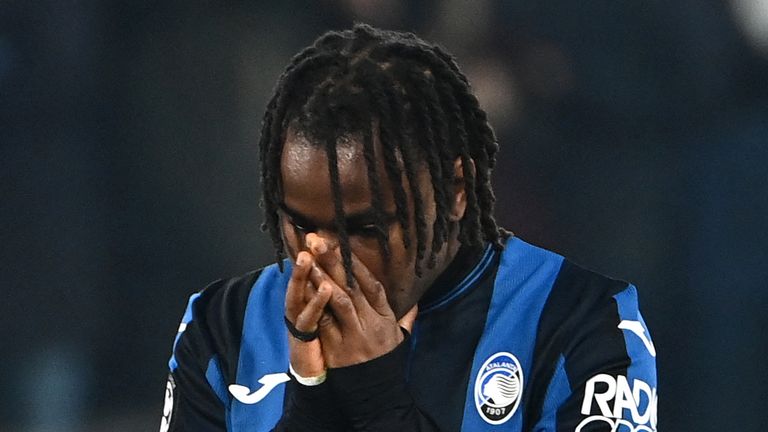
381	296
342	301
292	310
325	320
304	323
317	303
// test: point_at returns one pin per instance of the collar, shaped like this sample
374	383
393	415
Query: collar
467	267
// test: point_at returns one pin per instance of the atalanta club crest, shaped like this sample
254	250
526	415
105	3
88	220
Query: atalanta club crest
499	388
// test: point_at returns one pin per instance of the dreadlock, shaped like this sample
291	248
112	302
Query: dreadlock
413	97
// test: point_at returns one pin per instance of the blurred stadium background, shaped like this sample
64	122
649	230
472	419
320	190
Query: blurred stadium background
634	140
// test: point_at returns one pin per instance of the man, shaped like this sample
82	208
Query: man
396	303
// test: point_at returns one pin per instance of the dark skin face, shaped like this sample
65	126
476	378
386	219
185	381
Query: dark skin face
308	207
365	317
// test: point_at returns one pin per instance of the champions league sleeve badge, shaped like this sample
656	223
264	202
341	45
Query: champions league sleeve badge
499	388
168	406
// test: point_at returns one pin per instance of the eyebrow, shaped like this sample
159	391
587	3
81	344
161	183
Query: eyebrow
360	218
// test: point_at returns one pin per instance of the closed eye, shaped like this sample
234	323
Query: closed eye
361	224
367	230
304	228
298	222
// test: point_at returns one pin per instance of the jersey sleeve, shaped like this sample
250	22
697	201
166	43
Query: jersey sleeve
373	396
602	362
370	396
204	357
190	401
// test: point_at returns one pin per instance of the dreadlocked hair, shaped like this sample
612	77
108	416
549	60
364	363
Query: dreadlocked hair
368	82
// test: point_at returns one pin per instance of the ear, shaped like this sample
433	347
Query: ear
459	202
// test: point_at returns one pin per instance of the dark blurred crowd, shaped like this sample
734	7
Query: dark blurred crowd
634	139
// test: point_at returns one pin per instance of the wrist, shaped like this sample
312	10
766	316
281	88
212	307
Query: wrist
309	381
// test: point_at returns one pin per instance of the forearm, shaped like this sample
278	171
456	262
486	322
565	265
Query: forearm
310	409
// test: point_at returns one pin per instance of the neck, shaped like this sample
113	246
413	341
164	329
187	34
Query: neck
461	263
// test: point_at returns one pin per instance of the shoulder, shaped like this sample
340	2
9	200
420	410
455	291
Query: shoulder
567	302
593	359
222	303
577	289
608	357
592	336
212	324
584	305
575	302
563	286
218	309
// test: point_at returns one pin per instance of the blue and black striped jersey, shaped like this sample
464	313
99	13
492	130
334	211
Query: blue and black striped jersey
513	340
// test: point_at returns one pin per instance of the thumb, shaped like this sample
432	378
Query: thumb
409	318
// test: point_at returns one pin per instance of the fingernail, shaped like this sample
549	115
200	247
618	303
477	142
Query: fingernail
301	260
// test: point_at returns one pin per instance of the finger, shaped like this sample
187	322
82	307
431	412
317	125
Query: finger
317	275
326	253
409	318
372	290
328	256
307	320
309	291
343	308
333	265
319	245
341	304
309	287
294	296
329	328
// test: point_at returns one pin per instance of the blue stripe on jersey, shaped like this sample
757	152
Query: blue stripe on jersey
216	380
641	352
559	389
523	283
185	320
262	353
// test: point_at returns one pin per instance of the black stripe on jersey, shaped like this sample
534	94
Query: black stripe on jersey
215	331
223	313
579	321
445	345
